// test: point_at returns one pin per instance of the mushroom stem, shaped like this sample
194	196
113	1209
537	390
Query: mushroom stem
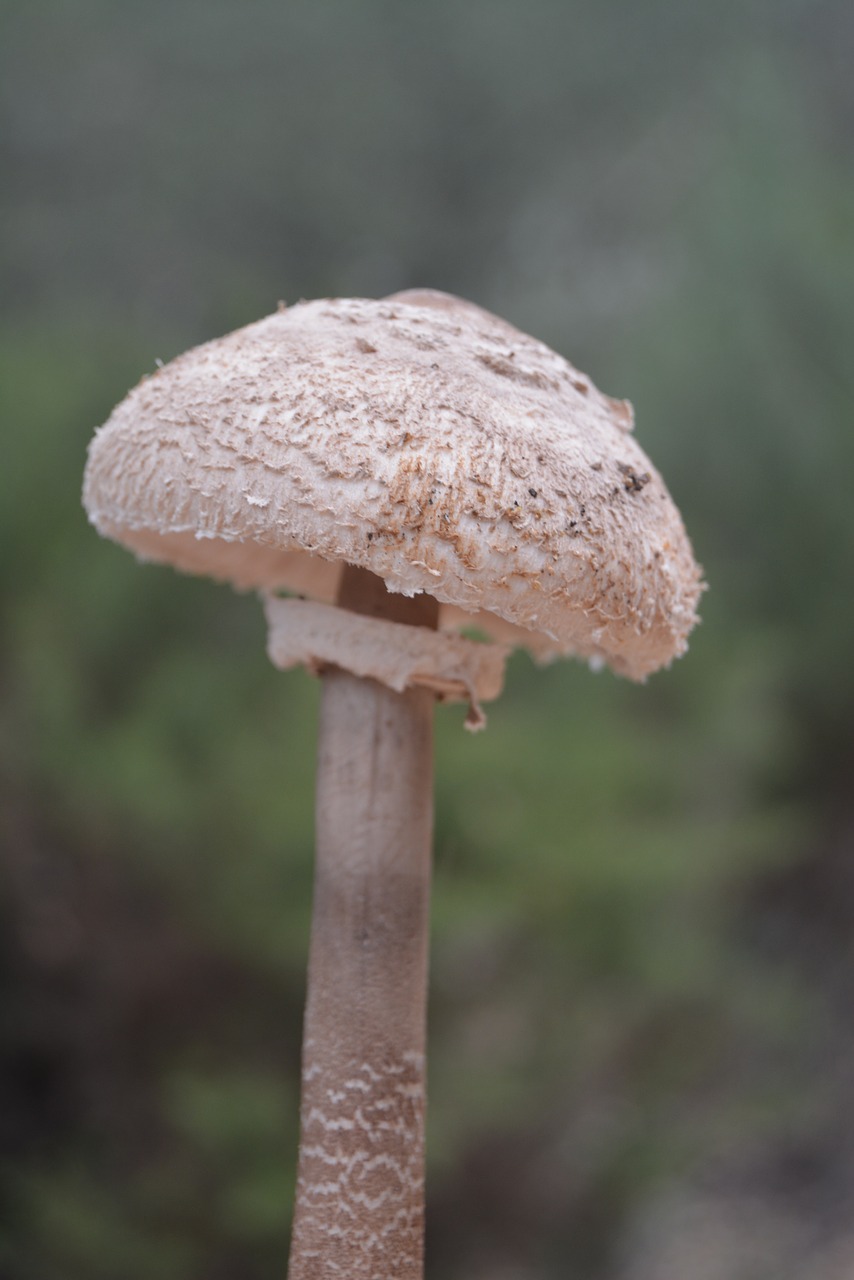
360	1188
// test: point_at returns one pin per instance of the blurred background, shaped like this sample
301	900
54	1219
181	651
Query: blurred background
642	1025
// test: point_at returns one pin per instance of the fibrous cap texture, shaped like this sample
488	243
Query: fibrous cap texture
424	440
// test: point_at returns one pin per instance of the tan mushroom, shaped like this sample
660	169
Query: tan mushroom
405	468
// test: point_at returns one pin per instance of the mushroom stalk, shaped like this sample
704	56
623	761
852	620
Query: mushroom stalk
360	1188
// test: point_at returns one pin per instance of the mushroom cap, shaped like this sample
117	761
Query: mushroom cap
418	437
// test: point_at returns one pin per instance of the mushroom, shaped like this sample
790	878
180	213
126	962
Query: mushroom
405	469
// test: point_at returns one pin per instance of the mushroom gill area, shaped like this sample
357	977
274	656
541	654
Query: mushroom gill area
254	566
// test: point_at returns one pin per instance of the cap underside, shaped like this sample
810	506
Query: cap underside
253	566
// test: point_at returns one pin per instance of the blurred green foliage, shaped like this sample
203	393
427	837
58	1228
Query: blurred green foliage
641	956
